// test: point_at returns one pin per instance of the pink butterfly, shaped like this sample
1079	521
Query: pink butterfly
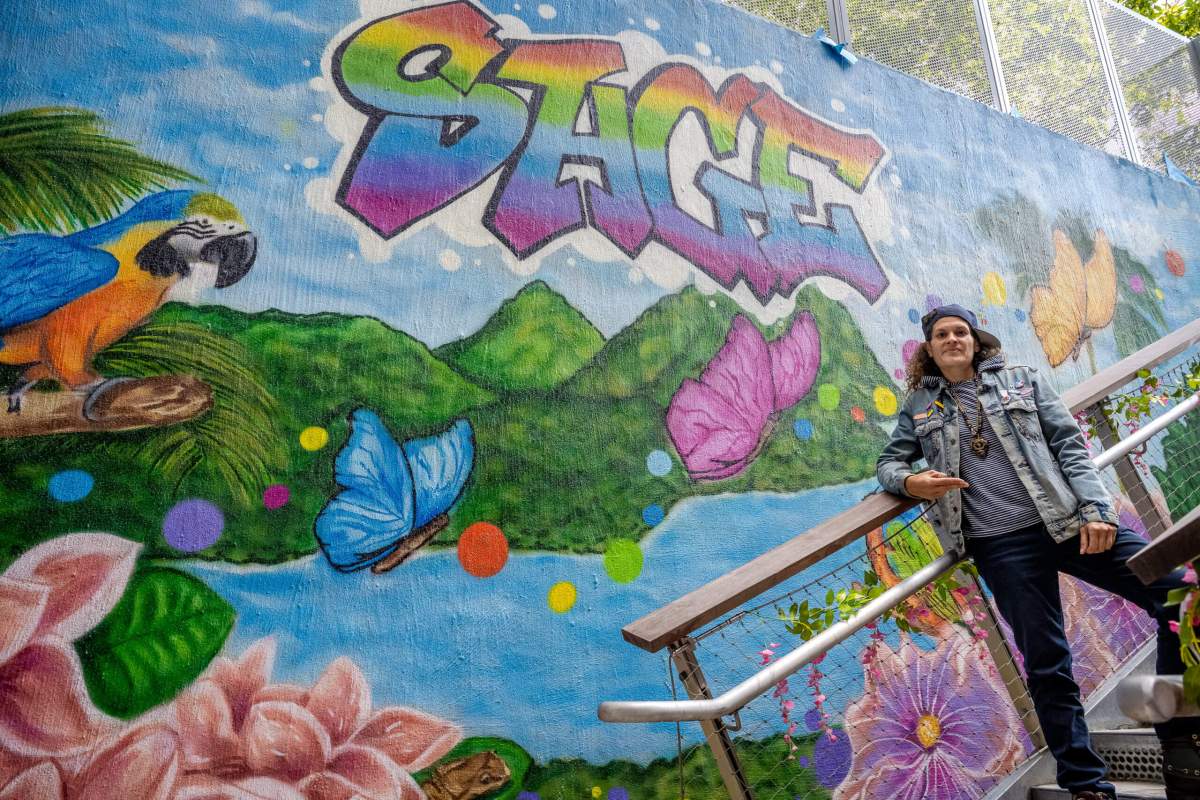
720	423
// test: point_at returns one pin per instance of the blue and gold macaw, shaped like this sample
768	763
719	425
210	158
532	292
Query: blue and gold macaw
63	299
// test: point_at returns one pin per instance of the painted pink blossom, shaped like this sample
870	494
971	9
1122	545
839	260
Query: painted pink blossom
325	743
931	725
49	597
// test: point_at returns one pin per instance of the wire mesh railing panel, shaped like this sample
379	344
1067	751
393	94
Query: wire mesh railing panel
917	688
937	41
1161	87
799	15
1053	70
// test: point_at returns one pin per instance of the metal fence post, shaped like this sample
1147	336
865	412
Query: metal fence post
1129	476
1113	80
991	57
1006	666
1194	50
684	655
839	21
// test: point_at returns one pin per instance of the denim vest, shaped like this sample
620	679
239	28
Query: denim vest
1037	432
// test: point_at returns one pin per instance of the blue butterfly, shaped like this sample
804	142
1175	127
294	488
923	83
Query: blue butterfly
393	498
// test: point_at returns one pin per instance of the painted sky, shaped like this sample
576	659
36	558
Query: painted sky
236	95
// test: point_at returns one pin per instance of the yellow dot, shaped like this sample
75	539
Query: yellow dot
314	438
1158	293
595	791
994	290
885	401
561	597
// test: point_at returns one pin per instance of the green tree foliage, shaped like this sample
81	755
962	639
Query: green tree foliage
1181	16
60	172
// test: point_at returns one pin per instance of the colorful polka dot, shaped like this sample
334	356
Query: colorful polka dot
596	791
857	414
995	293
276	496
1019	314
192	525
618	793
885	400
1137	284
1175	264
482	549
900	374
1158	293
561	597
70	485
314	438
658	463
623	560
914	316
803	429
932	301
653	514
828	396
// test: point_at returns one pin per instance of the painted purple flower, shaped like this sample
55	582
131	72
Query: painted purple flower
931	725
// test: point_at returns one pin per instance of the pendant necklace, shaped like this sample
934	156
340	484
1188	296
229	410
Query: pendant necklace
979	445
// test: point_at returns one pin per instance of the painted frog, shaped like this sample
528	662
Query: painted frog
467	778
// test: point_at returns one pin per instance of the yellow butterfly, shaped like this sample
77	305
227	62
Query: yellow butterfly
1080	298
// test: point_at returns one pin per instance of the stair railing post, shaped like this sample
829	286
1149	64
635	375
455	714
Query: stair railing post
683	653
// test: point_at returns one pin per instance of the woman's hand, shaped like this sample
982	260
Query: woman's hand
1096	537
931	484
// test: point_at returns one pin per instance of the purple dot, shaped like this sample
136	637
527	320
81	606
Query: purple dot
618	793
831	759
528	796
812	719
1137	284
910	347
193	525
802	761
932	301
276	496
899	373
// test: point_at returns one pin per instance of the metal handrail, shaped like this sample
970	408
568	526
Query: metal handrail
740	695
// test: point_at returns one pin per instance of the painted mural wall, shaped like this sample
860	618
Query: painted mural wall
371	363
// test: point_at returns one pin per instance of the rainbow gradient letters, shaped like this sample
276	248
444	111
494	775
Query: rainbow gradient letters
449	104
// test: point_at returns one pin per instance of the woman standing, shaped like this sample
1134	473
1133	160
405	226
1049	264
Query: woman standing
1011	485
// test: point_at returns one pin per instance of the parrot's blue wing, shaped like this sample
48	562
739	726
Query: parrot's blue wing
440	467
363	523
40	273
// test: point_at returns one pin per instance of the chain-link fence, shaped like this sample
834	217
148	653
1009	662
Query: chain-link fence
1049	64
930	700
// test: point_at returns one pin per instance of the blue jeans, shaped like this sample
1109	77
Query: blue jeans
1021	570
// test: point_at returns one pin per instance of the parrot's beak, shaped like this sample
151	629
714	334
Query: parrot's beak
233	255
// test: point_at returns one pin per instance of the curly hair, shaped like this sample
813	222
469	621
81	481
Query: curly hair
921	363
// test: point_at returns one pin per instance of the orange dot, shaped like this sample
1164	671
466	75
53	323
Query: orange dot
858	414
482	549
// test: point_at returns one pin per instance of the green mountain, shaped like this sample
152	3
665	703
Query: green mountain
535	340
561	469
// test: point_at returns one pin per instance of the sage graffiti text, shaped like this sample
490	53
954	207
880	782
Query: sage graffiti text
448	104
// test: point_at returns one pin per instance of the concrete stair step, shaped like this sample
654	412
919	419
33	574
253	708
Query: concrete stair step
1126	790
1134	763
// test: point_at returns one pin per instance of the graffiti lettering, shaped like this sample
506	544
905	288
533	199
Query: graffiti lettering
449	105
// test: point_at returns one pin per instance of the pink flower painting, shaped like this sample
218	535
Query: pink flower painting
931	725
326	741
49	597
232	735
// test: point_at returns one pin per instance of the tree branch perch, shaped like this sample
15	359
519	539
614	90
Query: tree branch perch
138	403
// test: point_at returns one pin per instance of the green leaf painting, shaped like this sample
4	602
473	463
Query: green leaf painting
159	638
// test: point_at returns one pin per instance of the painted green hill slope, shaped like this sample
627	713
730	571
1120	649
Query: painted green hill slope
535	340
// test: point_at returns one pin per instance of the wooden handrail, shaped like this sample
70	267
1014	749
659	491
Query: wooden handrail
705	604
1179	544
1094	389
